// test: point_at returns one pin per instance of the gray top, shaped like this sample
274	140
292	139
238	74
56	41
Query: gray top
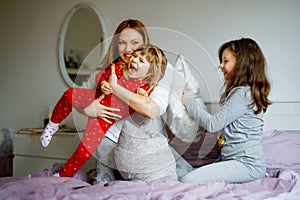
241	127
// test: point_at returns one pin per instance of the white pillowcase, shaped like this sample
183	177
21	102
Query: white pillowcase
177	117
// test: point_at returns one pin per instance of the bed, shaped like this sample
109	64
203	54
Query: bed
282	180
282	149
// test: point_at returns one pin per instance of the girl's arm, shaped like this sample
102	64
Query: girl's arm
147	106
235	106
141	104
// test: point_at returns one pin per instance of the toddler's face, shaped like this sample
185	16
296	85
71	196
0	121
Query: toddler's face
138	66
228	63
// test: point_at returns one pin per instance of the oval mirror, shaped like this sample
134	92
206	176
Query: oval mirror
82	30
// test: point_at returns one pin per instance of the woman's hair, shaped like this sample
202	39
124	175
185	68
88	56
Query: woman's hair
249	71
158	63
113	53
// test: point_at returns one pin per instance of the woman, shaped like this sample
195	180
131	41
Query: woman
141	75
128	36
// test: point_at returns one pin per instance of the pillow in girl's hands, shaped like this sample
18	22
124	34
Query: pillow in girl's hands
142	154
176	117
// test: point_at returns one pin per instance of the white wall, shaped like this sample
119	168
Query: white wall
30	77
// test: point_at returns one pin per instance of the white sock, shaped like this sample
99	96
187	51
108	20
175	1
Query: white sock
49	131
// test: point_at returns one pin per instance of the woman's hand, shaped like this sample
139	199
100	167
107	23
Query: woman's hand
95	109
142	92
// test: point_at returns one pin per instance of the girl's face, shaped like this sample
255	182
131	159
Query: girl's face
138	66
129	40
228	63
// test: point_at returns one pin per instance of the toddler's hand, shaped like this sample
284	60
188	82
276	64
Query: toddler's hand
105	88
113	77
142	92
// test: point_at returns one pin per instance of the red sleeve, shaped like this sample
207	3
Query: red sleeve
102	76
105	74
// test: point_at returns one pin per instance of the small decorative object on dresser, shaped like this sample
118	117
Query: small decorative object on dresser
6	148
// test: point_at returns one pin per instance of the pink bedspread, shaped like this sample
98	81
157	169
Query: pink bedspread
286	186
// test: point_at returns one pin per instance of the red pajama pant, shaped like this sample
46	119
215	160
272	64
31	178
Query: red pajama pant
95	130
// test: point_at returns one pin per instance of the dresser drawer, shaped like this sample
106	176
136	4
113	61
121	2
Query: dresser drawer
62	145
31	157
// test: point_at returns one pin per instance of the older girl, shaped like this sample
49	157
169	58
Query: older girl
240	117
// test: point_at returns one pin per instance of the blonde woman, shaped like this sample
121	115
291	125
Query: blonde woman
139	76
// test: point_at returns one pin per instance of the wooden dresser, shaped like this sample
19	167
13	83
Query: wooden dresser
31	157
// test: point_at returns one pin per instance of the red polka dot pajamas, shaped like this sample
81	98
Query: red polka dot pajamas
96	128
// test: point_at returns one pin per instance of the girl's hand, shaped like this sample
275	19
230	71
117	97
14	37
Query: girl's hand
185	97
105	88
97	110
113	77
142	92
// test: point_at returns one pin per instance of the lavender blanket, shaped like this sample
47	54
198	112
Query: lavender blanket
286	186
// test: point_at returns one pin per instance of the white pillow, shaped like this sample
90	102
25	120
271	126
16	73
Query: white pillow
142	154
176	116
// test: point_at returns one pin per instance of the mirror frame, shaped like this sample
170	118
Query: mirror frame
62	36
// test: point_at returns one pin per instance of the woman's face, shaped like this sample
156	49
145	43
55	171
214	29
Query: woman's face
129	40
228	63
138	66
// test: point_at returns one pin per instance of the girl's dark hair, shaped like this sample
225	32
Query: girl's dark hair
250	70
